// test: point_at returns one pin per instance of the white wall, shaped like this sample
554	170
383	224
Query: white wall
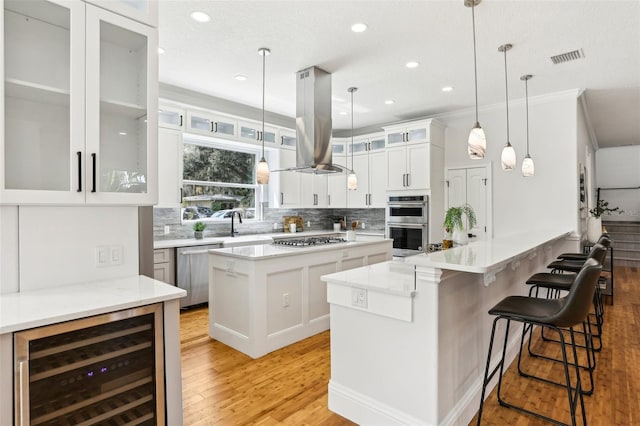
9	249
57	245
548	199
620	168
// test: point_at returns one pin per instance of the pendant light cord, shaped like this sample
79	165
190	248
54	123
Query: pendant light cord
475	64
352	130
506	90
526	91
264	55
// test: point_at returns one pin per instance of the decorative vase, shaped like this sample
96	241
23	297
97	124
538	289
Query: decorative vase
460	237
594	229
198	234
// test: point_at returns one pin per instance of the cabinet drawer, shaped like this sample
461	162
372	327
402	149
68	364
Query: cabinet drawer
161	256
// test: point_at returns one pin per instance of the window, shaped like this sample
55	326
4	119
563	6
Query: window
218	178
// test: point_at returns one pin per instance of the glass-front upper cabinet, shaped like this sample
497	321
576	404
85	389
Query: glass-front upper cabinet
288	139
211	125
43	141
145	11
171	117
252	132
121	96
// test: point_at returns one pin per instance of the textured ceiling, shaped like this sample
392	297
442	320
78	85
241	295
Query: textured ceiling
206	56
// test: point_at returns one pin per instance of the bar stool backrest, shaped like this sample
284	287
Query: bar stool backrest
605	240
598	252
576	304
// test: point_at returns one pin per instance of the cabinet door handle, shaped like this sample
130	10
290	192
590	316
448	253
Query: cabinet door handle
281	198
328	199
281	140
23	390
408	179
180	120
79	154
181	196
93	172
214	127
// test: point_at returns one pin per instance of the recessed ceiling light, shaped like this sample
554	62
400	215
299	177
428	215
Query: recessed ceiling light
389	102
200	16
160	50
447	88
412	64
241	77
342	113
122	133
359	27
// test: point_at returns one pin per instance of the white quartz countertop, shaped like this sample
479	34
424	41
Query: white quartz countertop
264	251
487	255
256	238
386	277
28	309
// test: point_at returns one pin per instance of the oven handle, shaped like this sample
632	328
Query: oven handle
406	225
396	205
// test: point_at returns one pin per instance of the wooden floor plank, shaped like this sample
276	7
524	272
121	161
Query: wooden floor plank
222	386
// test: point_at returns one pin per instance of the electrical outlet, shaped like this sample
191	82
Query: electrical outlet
115	253
167	229
362	225
102	256
285	300
359	297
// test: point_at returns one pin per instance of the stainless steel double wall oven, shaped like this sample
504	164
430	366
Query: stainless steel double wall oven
407	219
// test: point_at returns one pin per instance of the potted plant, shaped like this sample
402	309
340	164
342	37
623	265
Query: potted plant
198	229
594	224
454	224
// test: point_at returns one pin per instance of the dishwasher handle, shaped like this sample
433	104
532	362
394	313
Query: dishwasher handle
191	252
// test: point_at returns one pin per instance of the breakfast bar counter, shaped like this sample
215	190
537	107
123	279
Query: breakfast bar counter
412	351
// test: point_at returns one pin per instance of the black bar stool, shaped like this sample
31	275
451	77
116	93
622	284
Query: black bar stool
556	283
557	314
604	239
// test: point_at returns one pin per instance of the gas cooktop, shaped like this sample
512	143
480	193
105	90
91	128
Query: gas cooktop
308	241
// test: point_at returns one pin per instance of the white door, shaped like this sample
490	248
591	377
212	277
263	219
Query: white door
469	186
289	181
170	159
477	198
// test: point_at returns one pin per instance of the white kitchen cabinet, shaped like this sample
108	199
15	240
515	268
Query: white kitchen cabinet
208	124
170	117
409	162
80	110
337	182
164	268
288	139
145	11
314	191
289	195
170	164
250	131
369	166
414	132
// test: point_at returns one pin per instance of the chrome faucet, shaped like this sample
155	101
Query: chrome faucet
233	214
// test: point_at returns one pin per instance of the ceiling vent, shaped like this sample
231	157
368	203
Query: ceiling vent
567	56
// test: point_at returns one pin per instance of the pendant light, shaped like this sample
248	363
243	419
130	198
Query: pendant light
528	168
262	171
508	157
352	180
477	143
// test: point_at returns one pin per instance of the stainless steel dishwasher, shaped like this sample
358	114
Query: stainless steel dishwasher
193	274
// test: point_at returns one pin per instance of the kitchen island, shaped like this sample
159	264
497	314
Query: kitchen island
414	352
265	297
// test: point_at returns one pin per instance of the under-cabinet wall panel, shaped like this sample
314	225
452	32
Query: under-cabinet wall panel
233	288
284	300
318	306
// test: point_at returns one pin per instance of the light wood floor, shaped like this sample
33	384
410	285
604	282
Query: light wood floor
289	387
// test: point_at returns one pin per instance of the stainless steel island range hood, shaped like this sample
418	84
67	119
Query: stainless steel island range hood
313	123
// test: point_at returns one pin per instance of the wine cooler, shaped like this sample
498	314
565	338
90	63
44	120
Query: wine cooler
102	370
